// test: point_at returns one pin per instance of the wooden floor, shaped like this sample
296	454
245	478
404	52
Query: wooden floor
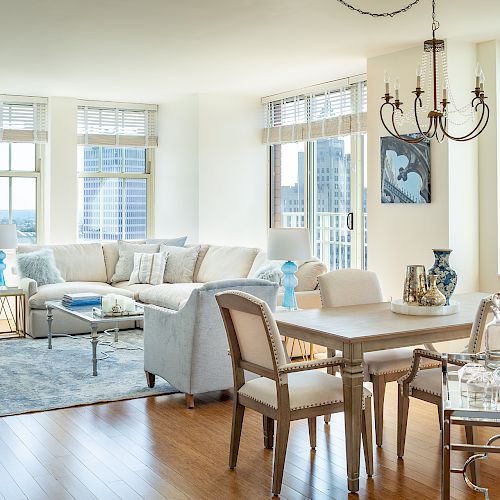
155	448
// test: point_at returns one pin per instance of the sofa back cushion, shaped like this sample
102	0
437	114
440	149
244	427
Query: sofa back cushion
76	262
221	263
111	256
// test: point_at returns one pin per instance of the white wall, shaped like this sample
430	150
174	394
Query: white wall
401	234
60	199
176	170
233	174
489	163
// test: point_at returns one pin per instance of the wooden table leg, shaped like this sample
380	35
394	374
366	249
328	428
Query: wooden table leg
445	458
352	378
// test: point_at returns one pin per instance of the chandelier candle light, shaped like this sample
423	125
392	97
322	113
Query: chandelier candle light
439	115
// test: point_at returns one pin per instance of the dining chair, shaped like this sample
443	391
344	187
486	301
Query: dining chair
285	391
349	287
426	385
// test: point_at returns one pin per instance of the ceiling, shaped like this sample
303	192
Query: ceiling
149	50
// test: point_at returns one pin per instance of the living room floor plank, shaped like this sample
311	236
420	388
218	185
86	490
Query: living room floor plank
155	448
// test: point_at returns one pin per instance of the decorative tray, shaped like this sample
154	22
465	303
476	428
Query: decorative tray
97	311
400	307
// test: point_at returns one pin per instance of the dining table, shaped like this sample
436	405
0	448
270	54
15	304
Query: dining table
357	329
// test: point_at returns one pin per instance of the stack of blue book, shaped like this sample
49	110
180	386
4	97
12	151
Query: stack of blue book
81	299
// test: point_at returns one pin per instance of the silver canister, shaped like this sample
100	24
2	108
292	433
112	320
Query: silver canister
415	284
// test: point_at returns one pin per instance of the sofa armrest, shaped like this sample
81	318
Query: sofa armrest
29	286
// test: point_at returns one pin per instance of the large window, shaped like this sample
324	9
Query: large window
319	182
113	187
19	188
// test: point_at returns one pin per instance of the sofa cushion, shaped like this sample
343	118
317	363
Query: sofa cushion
77	262
148	268
135	289
56	291
180	263
125	264
221	263
168	295
173	242
307	275
201	255
39	266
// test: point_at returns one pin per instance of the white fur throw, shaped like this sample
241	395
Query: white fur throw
39	266
269	272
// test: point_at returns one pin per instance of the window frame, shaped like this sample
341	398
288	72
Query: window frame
310	171
148	175
29	174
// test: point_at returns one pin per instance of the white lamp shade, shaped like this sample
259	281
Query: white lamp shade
8	236
288	244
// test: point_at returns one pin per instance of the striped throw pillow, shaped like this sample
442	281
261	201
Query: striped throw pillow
148	268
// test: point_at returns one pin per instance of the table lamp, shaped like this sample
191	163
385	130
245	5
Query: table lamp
289	245
8	240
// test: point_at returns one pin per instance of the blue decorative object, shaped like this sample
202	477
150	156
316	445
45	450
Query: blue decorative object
446	277
289	281
2	267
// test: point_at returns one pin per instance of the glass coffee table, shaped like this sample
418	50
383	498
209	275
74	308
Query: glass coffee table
459	409
87	314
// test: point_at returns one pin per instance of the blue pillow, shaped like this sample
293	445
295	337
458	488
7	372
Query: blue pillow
39	266
172	242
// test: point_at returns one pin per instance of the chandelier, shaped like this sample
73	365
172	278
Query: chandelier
433	120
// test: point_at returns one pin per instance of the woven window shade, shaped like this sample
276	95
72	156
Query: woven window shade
336	112
24	120
116	126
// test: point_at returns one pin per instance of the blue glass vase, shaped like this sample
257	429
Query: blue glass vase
2	268
446	277
289	281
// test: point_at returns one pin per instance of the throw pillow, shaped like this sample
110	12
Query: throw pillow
148	268
180	264
39	266
173	242
125	264
269	272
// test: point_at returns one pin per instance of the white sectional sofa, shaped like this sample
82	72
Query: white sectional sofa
89	267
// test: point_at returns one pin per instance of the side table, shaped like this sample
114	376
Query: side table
12	312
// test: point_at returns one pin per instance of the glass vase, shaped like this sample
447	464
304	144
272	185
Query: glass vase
446	277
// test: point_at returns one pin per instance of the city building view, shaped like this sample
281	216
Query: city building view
331	191
113	207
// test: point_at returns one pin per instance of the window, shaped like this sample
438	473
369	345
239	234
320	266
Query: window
19	185
115	159
322	175
113	192
23	130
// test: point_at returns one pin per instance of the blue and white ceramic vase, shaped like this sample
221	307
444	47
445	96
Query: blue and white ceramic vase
446	277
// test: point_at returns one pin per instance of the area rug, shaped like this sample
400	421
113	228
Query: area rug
34	378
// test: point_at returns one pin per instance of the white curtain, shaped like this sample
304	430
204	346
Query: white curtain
23	119
118	126
330	113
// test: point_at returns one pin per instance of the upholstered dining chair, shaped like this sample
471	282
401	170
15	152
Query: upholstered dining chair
426	385
284	391
349	287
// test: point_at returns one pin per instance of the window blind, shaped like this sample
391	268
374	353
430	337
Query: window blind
117	126
329	113
23	119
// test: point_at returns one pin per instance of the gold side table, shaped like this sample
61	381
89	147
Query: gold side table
12	312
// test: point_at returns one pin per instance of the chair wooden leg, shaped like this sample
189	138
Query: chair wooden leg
190	401
439	417
474	469
378	406
332	370
403	404
150	379
268	426
282	430
366	434
311	422
238	414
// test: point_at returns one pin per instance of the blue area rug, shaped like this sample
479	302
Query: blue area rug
34	378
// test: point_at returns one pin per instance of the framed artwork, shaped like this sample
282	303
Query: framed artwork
405	171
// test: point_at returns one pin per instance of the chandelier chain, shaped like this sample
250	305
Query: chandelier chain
380	14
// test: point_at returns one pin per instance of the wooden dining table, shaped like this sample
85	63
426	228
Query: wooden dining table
355	330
